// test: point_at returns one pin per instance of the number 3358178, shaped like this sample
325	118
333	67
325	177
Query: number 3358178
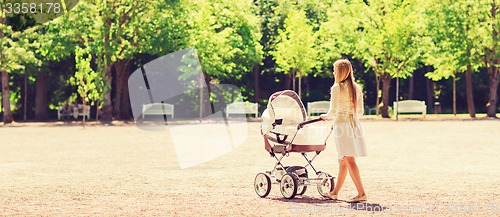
32	8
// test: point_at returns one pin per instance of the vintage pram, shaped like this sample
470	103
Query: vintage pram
286	130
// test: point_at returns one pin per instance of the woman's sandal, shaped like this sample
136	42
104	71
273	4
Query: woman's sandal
357	199
331	196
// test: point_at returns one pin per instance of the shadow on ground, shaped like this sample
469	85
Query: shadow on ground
305	199
370	207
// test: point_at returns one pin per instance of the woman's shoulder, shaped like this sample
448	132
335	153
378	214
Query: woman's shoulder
335	87
358	86
359	89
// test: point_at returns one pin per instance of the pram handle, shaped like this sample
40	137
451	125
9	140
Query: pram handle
308	122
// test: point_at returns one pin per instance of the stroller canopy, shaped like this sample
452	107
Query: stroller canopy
284	107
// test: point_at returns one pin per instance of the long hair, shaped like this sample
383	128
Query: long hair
344	74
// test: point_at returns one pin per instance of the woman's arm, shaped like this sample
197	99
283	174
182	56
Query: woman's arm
360	107
334	99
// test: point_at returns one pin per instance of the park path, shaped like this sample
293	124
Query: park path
444	168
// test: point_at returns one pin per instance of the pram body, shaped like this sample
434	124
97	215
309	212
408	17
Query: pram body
285	130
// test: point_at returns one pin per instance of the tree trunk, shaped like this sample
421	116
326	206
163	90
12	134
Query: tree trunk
454	96
118	88
300	85
200	84
411	88
307	83
97	112
125	107
208	80
470	97
84	111
107	65
293	80
395	110
491	107
288	80
41	101
386	84
107	108
256	87
25	96
429	84
7	113
377	101
122	73
492	104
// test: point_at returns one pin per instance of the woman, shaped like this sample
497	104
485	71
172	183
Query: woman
346	106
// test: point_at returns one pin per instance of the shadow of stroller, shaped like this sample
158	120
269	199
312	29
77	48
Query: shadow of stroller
370	207
306	199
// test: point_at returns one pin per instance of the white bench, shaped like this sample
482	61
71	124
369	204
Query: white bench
242	108
369	111
410	106
317	107
75	113
158	109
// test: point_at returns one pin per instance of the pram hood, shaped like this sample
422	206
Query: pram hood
284	108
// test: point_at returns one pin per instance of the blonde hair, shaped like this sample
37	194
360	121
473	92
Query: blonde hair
344	74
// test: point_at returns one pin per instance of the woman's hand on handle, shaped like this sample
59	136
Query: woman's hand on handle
323	117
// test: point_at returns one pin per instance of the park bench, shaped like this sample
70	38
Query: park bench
317	107
242	108
158	109
369	111
410	106
76	112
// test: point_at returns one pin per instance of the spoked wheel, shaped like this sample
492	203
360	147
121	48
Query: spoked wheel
262	184
301	189
326	184
289	185
302	173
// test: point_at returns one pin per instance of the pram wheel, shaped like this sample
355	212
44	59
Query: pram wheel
301	172
262	184
289	185
326	183
301	189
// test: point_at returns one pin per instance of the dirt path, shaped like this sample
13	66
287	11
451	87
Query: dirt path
444	168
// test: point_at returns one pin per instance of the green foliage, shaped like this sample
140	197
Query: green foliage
226	35
390	37
89	82
455	30
337	35
296	50
299	37
16	50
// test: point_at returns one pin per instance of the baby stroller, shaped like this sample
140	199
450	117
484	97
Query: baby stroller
285	130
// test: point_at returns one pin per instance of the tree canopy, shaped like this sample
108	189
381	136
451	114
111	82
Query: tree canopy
98	43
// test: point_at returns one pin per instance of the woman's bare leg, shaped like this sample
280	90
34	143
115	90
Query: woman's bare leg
354	172
341	177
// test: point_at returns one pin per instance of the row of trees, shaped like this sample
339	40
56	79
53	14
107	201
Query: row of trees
95	45
393	38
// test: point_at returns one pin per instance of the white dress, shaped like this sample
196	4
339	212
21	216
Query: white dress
347	130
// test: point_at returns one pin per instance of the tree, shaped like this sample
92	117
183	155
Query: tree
336	36
296	51
456	42
113	31
15	52
490	53
387	38
226	35
89	82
